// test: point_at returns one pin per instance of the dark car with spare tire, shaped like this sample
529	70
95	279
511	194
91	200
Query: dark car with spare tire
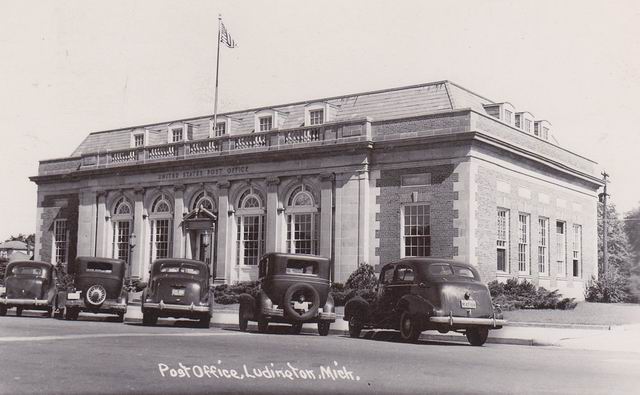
98	287
293	289
28	285
419	294
178	288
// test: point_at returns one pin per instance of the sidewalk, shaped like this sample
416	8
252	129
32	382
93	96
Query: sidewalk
602	338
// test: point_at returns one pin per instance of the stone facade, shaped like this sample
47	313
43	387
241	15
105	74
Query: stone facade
385	175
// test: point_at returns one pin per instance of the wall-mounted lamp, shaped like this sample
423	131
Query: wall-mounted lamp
280	210
205	240
132	239
231	212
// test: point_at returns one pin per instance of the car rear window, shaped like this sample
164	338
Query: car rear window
179	269
99	267
447	270
296	266
28	270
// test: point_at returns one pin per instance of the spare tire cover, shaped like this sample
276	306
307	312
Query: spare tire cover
307	290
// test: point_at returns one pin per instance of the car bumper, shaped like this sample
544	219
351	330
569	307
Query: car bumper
175	307
107	306
465	321
24	302
322	316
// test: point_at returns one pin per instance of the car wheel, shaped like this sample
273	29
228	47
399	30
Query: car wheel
50	312
149	319
243	323
263	325
409	329
477	336
355	326
296	328
205	321
3	310
18	311
73	314
323	328
120	317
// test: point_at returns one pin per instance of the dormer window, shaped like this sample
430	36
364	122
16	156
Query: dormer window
518	120
507	116
316	117
265	123
545	133
221	129
138	140
176	135
527	125
266	120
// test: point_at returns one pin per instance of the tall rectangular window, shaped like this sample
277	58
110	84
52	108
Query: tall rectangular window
523	243
316	117
302	233
416	231
60	241
221	129
527	125
543	243
577	250
266	124
507	116
502	240
561	248
250	239
176	135
121	232
518	120
160	239
138	140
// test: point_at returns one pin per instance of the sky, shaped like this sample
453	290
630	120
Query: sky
68	68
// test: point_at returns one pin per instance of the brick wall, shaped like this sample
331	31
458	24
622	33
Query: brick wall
498	187
429	125
439	195
58	207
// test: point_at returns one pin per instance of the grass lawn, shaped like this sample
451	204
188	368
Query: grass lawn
584	313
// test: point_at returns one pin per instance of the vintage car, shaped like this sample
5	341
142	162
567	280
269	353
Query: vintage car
28	285
294	289
98	287
178	288
418	294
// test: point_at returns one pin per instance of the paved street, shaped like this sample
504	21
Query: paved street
39	355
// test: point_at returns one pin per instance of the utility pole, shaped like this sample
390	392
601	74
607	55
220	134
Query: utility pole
603	196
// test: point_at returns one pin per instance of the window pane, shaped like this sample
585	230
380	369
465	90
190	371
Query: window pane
416	237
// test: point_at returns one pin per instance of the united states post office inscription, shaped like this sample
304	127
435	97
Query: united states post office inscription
212	172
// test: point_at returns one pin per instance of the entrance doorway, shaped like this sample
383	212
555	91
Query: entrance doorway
200	228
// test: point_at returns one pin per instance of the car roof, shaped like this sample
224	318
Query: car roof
30	263
178	261
429	260
97	259
297	256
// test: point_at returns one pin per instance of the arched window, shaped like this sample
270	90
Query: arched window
251	227
121	222
203	201
302	221
160	217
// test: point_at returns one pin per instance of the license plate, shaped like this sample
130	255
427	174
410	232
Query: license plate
73	296
301	306
468	304
177	292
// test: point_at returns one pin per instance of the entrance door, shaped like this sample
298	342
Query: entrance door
203	247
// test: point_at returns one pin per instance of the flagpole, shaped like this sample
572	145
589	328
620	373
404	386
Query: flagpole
215	105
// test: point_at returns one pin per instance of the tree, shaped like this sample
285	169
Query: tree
29	239
632	229
617	242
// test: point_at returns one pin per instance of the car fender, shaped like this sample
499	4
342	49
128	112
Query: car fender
357	306
414	305
329	306
247	305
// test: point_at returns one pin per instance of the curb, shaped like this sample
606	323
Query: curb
343	332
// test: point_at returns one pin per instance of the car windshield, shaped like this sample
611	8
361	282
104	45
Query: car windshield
27	270
295	266
179	269
447	270
99	267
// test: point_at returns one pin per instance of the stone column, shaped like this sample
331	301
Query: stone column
178	211
223	266
326	214
363	217
87	223
101	226
272	228
138	267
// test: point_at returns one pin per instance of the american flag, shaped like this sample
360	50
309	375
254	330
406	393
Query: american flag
225	37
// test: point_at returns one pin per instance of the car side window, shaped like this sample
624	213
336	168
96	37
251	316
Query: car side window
405	274
387	275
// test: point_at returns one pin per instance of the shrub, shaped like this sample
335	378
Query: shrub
229	294
525	295
364	277
609	288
